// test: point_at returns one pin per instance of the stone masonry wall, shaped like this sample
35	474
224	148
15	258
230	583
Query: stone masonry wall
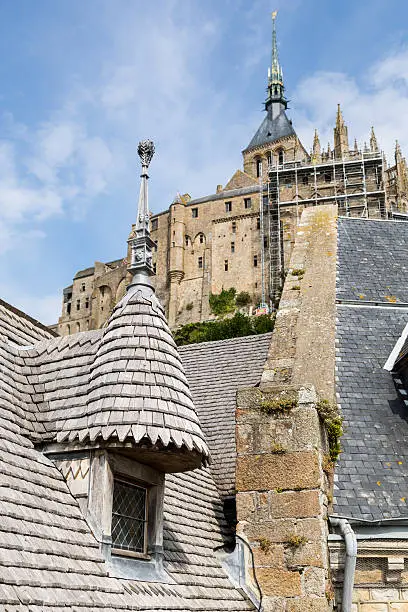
282	498
283	491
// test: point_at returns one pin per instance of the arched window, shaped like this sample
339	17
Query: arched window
269	158
77	326
281	156
258	167
68	329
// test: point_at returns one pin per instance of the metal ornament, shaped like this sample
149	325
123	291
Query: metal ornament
141	244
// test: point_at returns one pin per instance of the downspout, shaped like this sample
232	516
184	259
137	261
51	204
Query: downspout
350	541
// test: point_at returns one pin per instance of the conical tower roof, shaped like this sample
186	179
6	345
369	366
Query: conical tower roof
138	395
138	390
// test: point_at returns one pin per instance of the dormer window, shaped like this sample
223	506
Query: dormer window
129	517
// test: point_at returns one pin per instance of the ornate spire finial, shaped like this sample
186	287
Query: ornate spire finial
398	152
339	117
355	146
141	244
275	72
316	152
373	141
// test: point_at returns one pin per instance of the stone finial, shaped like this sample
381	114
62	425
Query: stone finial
373	141
141	245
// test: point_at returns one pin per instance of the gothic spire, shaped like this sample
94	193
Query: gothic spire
373	141
141	244
398	153
316	152
275	72
341	147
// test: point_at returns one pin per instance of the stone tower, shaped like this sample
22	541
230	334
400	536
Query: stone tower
176	254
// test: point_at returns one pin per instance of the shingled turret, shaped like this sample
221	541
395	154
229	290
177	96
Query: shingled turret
138	395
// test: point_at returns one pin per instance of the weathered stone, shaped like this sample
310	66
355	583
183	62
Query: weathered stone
245	506
287	471
368	576
361	595
272	556
314	580
310	554
279	582
273	604
374	607
295	504
308	604
384	594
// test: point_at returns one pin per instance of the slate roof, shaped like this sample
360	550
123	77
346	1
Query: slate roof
271	130
49	559
373	261
215	370
19	328
371	479
136	386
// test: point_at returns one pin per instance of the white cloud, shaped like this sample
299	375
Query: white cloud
380	100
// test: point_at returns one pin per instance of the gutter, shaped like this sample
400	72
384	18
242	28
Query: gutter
350	541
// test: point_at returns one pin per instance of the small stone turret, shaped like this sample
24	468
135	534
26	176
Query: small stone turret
176	254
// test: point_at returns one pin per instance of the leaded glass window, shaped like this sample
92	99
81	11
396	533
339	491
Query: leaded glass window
129	517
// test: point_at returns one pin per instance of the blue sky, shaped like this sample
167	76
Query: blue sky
82	82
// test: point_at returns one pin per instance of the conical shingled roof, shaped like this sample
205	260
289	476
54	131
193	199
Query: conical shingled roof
138	391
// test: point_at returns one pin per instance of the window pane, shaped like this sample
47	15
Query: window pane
128	517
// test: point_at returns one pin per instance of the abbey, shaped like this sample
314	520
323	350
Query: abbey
242	235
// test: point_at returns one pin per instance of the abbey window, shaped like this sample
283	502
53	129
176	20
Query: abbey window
129	517
194	213
228	207
155	224
258	167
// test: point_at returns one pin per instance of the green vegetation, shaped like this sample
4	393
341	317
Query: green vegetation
243	299
281	403
277	449
333	422
296	541
265	544
223	303
299	272
234	327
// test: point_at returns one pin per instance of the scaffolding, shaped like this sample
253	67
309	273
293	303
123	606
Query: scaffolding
355	184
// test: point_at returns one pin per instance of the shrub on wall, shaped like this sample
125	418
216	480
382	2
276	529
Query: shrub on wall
234	327
223	303
243	299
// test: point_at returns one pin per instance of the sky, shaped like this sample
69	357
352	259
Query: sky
81	82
